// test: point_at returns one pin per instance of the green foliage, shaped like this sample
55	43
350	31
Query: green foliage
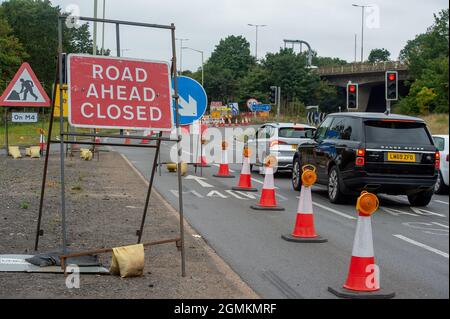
427	57
379	55
34	23
12	53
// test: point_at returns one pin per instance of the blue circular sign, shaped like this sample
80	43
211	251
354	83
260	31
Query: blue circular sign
192	102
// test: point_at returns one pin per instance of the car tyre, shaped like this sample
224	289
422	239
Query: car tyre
297	174
335	194
439	187
421	199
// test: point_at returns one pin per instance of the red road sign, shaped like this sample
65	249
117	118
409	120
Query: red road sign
119	93
24	90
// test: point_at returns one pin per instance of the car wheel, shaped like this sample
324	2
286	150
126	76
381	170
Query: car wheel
297	175
421	199
334	189
439	187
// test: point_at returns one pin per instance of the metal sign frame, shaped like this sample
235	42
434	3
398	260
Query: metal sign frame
64	138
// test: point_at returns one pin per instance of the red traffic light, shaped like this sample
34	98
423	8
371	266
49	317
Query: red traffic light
352	88
391	76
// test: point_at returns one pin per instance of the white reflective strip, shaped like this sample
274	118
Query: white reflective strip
246	166
224	157
363	244
305	202
268	179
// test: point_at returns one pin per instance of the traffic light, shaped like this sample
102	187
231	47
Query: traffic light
352	96
273	95
391	86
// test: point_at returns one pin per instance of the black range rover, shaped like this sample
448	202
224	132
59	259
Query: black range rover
390	154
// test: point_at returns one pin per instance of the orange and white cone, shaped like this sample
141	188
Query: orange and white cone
201	161
224	170
245	179
127	140
147	133
304	230
42	144
363	280
268	197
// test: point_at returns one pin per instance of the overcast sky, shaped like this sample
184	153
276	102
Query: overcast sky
328	25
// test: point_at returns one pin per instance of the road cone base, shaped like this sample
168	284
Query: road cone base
294	239
223	176
201	165
269	208
352	294
244	189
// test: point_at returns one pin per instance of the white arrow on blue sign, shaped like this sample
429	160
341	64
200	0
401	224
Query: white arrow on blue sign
192	102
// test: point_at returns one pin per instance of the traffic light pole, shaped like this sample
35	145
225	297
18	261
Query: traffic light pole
388	107
278	102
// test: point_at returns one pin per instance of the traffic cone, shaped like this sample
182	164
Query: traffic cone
201	161
363	280
147	133
245	179
304	230
42	144
224	170
268	200
127	140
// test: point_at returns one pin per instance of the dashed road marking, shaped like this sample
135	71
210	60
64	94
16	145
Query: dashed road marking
334	211
412	241
441	201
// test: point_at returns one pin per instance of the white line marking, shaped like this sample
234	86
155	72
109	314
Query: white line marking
411	241
439	224
441	201
334	211
260	182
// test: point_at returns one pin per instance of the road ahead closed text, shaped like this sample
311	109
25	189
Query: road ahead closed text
119	93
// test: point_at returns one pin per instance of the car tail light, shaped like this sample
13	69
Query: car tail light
277	142
437	162
360	157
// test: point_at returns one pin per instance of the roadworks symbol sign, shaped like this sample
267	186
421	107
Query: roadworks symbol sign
24	90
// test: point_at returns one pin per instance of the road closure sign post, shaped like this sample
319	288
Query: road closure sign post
118	93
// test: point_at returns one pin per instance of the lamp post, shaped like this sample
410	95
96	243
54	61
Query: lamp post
256	44
363	7
201	52
181	53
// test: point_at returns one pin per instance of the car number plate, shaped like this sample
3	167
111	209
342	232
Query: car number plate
402	157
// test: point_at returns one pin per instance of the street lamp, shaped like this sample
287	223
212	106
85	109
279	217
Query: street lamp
256	45
363	7
201	52
181	53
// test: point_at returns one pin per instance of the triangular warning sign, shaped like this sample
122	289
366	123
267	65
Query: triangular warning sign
24	90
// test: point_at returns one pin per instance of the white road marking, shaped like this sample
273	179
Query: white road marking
439	224
248	195
441	201
411	241
281	196
175	193
425	212
396	212
260	182
200	180
215	193
334	211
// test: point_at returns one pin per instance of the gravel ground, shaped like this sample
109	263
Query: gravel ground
104	206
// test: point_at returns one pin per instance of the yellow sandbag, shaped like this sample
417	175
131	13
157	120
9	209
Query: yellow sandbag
12	149
128	261
35	152
86	154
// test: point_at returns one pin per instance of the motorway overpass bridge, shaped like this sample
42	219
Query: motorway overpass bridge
371	80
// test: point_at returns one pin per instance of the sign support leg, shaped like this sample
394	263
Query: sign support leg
6	131
150	186
180	150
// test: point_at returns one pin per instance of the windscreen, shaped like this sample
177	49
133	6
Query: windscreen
292	132
440	143
393	132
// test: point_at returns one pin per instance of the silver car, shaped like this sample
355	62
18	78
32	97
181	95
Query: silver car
280	140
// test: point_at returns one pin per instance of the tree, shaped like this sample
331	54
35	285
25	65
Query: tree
427	58
34	23
379	55
12	53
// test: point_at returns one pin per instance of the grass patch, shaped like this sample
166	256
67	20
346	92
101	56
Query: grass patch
24	205
437	123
